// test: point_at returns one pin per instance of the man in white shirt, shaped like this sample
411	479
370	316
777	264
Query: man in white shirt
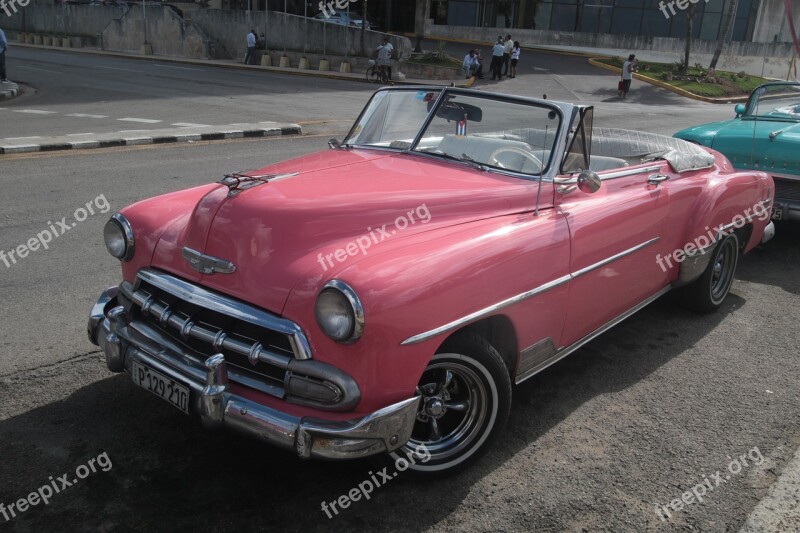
472	65
627	75
385	56
497	58
250	57
508	46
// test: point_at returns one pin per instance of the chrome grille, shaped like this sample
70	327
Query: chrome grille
257	345
787	190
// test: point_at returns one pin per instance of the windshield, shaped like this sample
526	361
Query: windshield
482	131
779	101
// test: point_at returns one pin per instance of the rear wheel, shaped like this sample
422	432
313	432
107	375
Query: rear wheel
466	398
707	293
372	74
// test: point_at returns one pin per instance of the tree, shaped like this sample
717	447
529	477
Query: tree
420	15
723	33
689	17
364	28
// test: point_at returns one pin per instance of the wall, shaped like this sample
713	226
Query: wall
167	33
65	19
230	28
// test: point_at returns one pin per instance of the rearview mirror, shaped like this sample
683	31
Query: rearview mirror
589	182
739	109
456	111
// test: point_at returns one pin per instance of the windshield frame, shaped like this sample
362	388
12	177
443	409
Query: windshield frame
562	111
756	101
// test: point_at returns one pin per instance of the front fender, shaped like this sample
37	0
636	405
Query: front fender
411	286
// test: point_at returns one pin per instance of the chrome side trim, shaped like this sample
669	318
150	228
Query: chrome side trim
487	310
563	352
238	310
523	296
613	258
613	175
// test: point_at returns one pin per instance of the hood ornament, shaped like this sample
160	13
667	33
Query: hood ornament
206	264
238	181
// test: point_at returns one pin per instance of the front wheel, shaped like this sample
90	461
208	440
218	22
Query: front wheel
466	398
707	293
372	74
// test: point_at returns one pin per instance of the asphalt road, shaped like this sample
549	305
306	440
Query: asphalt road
643	413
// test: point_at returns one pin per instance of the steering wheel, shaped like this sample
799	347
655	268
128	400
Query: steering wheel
494	160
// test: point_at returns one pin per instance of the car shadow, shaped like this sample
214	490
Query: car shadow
170	473
775	262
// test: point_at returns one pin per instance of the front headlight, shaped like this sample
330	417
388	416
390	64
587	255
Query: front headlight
339	312
118	236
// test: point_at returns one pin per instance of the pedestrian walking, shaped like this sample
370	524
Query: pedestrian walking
627	75
497	58
508	45
3	48
515	59
250	57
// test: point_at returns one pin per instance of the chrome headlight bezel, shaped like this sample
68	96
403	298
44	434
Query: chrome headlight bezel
349	304
118	237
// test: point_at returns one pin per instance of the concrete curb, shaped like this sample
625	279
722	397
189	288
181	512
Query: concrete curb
154	137
9	90
778	510
647	79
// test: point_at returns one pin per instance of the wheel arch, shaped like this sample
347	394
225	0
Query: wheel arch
499	332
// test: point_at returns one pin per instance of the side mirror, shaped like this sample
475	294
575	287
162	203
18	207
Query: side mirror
334	144
739	110
589	182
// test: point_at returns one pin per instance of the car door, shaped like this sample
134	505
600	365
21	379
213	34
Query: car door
617	236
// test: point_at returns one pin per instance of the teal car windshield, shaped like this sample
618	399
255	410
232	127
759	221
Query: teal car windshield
777	101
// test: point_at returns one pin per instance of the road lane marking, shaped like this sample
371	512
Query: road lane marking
181	68
84	115
190	125
42	69
78	134
117	68
21	138
35	111
143	120
131	131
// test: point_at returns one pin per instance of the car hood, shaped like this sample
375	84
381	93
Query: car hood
704	133
330	209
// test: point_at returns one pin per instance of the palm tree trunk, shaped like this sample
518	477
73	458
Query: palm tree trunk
689	17
420	14
723	34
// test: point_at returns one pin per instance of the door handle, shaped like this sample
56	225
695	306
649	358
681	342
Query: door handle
655	179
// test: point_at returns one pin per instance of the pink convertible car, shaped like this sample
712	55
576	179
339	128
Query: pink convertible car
386	294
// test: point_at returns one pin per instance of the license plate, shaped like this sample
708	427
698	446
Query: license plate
777	213
160	385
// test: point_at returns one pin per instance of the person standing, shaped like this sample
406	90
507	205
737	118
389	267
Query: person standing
250	57
508	45
497	58
385	56
627	75
3	48
515	59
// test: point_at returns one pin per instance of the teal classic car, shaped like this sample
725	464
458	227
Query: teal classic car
765	135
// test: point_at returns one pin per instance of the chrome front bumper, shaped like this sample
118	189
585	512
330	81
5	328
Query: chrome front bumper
211	399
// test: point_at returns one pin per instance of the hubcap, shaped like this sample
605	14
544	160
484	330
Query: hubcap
454	407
